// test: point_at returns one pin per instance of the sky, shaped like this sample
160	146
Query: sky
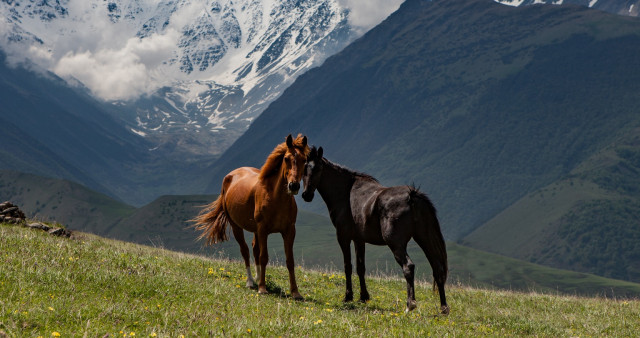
113	63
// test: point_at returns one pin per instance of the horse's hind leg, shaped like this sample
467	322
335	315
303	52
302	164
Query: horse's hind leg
434	248
401	256
238	233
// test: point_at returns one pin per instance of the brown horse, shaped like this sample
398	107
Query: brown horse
262	202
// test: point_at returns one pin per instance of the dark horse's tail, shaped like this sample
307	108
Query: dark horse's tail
428	235
212	221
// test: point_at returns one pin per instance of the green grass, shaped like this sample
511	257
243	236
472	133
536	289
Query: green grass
94	286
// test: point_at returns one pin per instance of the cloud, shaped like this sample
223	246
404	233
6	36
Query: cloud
86	46
367	13
121	73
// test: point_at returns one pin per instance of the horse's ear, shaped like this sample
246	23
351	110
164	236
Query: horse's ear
289	141
304	141
312	153
320	153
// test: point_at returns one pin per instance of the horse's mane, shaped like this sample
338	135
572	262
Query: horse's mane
274	161
351	172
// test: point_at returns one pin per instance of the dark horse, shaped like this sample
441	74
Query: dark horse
364	211
260	201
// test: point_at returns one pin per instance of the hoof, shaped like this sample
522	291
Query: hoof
348	298
297	296
445	309
364	298
263	291
250	284
411	305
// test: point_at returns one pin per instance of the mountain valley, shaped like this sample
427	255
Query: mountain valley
520	122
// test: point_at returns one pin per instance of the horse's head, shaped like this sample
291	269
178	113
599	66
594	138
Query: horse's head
312	172
294	160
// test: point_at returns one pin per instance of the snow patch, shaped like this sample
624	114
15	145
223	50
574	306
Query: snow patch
141	133
514	3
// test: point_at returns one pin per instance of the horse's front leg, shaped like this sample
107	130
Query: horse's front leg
264	259
345	246
360	268
256	254
288	237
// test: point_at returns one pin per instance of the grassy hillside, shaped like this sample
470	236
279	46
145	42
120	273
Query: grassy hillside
588	221
93	286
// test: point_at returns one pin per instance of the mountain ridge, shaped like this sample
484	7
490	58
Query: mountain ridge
206	68
623	7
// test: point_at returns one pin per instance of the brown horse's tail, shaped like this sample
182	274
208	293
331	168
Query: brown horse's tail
428	235
212	221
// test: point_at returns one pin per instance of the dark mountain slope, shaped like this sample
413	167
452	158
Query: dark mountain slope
21	152
59	131
476	102
65	122
588	222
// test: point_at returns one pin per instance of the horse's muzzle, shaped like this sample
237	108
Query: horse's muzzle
307	196
293	187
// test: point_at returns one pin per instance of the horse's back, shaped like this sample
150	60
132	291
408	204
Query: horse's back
389	216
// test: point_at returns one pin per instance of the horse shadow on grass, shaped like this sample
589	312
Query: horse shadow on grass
276	291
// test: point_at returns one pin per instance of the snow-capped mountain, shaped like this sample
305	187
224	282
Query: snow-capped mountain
188	75
620	7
